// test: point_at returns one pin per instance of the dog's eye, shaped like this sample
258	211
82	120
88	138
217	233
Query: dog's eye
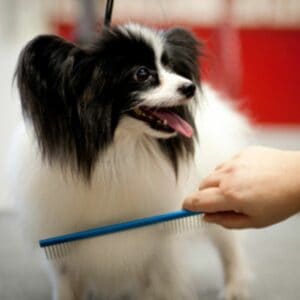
142	74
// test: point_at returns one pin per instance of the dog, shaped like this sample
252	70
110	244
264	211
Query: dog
118	130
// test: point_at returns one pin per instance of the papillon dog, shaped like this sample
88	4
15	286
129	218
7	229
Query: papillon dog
119	130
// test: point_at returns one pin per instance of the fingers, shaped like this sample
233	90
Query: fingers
230	219
212	180
210	200
220	167
227	165
221	172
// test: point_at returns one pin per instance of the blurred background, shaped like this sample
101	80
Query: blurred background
251	54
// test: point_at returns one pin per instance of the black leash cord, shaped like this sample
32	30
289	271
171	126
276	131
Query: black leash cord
108	12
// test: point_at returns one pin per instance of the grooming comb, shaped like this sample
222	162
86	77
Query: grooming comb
177	221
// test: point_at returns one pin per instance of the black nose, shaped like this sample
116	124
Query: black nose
187	90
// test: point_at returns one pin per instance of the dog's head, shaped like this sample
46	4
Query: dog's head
132	77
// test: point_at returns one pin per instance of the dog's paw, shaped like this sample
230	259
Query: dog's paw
235	292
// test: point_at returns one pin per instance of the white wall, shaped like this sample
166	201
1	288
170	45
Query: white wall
245	13
9	112
19	22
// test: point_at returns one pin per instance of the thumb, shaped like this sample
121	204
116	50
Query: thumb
229	219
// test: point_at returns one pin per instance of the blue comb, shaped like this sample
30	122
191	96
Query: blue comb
56	247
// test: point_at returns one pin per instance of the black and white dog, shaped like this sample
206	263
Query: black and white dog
117	131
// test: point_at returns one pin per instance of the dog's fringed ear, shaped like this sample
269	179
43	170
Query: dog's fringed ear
184	51
47	86
43	73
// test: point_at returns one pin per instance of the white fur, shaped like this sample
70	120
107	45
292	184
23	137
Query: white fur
132	180
167	93
152	37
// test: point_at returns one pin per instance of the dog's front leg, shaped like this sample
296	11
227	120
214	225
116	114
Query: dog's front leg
167	279
62	289
236	272
64	286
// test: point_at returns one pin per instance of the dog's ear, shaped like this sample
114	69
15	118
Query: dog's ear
48	82
44	71
184	51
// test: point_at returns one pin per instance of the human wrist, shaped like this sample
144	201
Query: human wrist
297	154
295	177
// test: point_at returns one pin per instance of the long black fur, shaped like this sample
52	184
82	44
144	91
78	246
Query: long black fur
75	97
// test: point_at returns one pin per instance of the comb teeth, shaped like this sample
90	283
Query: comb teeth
57	251
171	223
190	224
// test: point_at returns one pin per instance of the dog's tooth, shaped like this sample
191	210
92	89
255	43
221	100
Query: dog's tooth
165	122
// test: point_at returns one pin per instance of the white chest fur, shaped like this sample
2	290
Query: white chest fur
132	179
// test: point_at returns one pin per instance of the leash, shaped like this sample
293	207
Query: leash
108	12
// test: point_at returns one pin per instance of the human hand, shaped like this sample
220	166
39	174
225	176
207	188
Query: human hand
258	187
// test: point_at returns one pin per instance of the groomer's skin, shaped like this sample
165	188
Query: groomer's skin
256	188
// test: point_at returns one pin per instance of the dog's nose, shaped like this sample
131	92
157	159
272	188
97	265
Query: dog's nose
187	90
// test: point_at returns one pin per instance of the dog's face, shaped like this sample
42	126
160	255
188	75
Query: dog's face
147	75
131	77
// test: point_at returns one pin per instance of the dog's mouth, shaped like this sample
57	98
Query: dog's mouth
163	119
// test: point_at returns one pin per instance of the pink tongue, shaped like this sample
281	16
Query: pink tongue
175	122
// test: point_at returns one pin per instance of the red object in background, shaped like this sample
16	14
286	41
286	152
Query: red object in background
64	29
270	83
270	79
271	74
